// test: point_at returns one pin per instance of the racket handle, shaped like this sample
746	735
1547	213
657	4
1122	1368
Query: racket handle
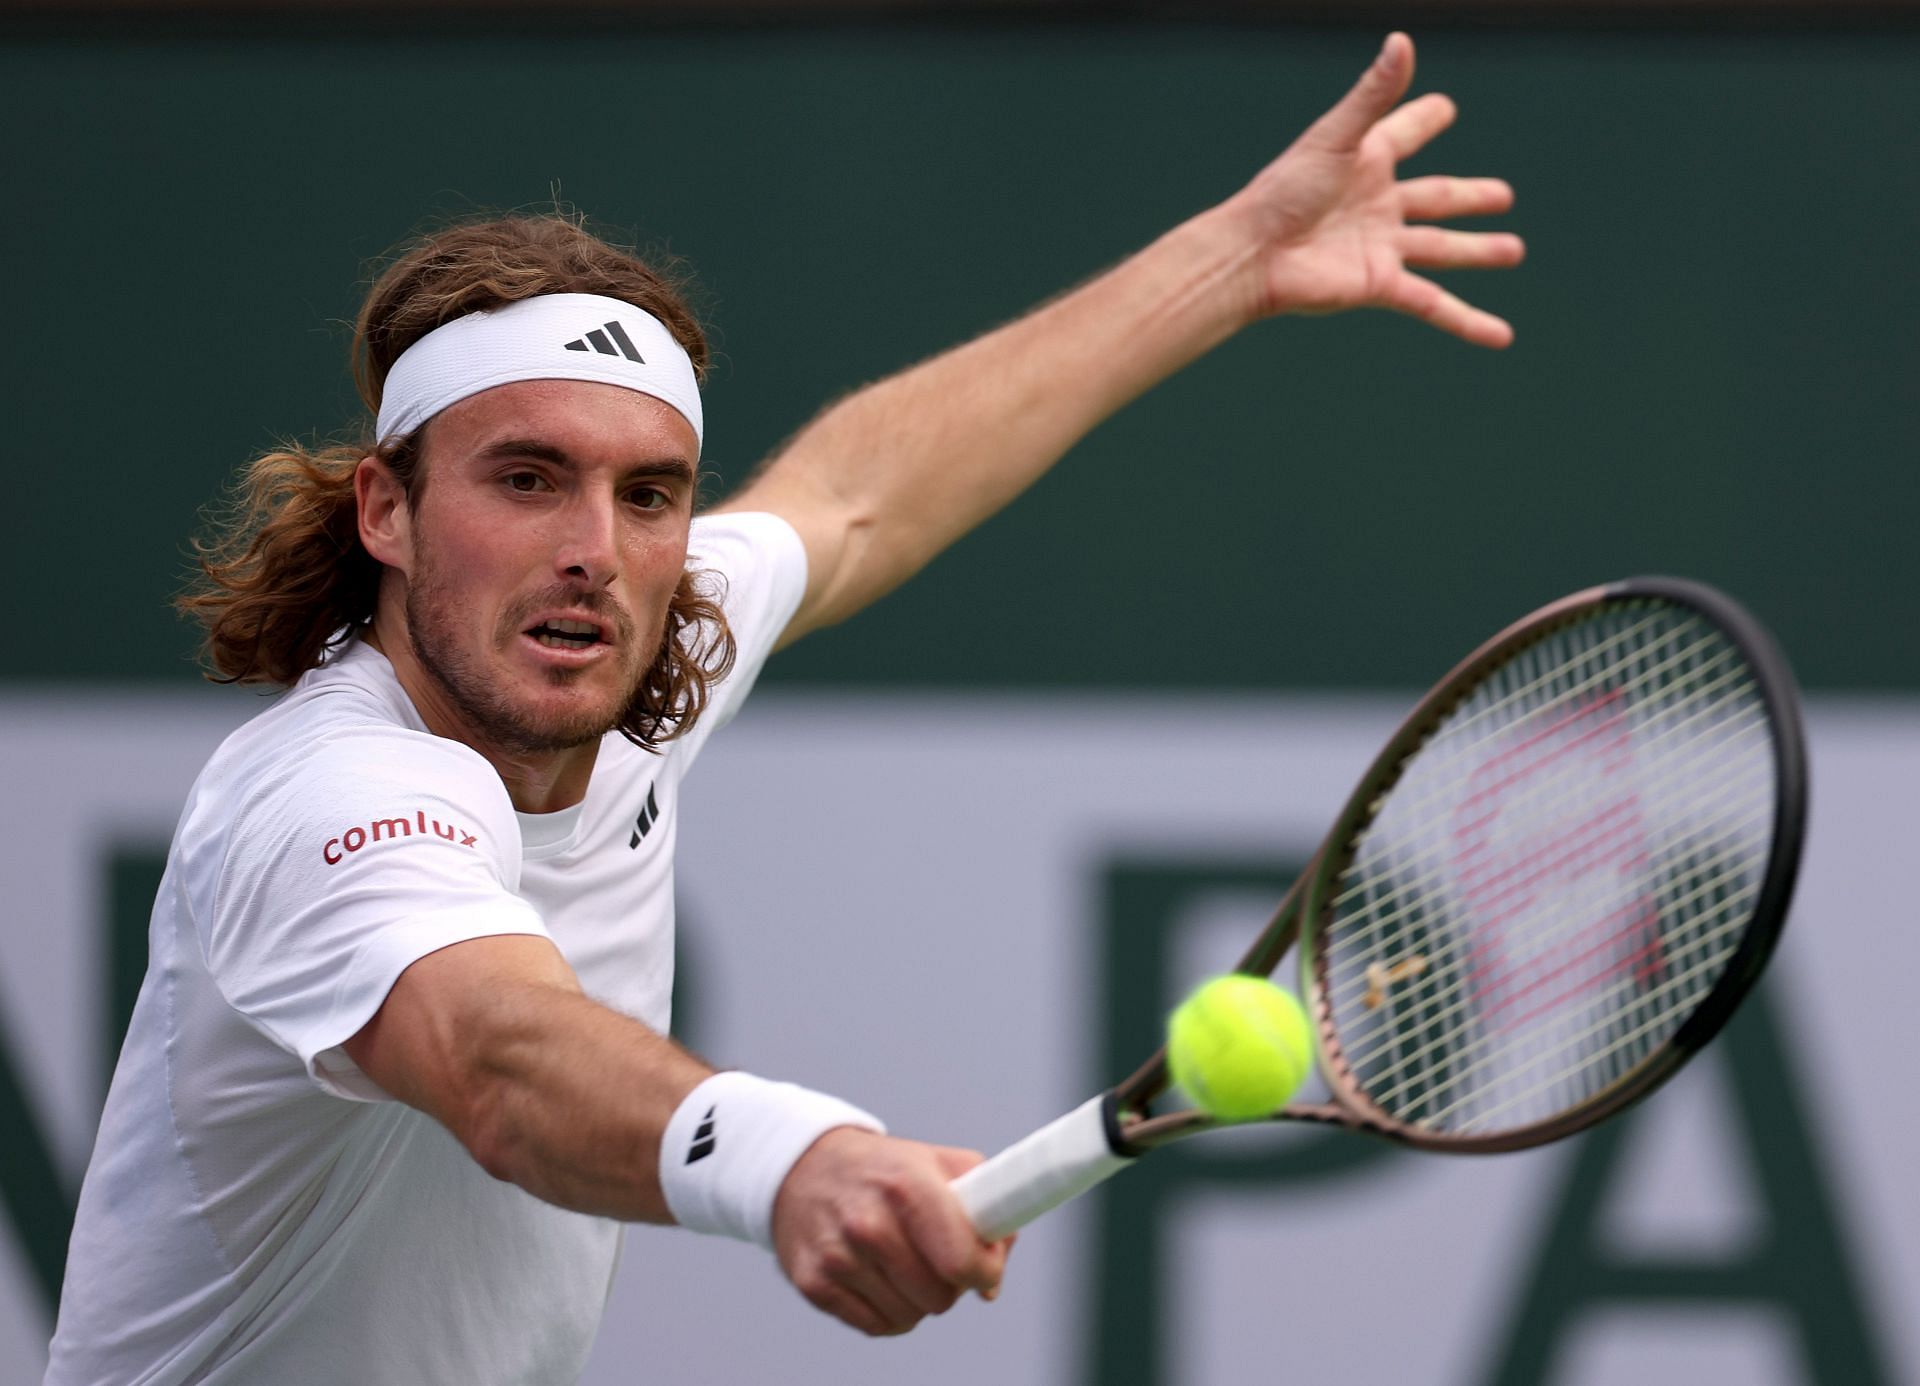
1061	1160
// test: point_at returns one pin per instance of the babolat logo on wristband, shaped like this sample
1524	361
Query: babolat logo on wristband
703	1138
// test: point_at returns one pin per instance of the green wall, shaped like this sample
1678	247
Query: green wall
1716	371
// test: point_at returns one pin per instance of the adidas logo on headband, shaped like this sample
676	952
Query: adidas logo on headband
528	340
600	343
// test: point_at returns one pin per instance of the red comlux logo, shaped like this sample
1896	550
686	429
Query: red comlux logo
391	829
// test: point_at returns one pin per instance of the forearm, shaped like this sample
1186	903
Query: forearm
572	1101
568	1099
897	471
545	1088
882	481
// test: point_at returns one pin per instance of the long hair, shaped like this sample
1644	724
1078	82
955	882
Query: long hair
282	574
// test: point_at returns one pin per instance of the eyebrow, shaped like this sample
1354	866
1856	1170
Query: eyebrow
674	467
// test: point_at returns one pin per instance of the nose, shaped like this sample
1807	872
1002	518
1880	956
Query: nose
589	542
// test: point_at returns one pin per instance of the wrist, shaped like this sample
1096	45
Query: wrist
731	1143
1190	290
1226	243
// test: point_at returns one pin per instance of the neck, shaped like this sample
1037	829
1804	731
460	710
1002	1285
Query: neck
536	781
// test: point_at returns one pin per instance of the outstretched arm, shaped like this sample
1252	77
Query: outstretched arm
568	1099
888	477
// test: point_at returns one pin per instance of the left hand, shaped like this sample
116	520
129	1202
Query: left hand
1329	219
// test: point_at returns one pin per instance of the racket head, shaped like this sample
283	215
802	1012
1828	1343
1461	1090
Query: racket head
1456	1011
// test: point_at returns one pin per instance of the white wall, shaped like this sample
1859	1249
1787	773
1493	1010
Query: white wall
899	899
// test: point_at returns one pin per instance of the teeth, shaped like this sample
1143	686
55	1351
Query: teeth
566	635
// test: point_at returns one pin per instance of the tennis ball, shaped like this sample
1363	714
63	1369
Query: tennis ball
1240	1046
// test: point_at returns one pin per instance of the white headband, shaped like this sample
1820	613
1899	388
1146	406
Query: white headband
554	337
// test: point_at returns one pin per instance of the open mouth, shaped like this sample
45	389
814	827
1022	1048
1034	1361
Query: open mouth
567	635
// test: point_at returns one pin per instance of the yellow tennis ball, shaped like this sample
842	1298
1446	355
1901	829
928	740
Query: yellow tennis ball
1240	1046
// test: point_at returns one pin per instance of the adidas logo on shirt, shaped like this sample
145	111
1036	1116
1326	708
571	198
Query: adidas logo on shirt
649	815
609	339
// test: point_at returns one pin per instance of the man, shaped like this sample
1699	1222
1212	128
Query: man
397	1075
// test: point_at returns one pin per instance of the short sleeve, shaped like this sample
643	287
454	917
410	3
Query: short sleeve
757	565
348	863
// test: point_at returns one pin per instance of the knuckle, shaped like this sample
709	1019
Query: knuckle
952	1265
897	1190
866	1230
835	1264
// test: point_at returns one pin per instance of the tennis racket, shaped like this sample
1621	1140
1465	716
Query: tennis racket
1548	891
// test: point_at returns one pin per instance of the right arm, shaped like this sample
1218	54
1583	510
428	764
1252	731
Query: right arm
568	1099
546	1089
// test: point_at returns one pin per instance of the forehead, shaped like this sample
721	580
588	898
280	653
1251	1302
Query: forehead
585	419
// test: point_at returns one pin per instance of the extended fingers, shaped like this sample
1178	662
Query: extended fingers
1434	247
1408	129
1426	300
1379	88
1440	198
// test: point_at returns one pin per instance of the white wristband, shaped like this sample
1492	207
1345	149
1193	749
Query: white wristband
731	1142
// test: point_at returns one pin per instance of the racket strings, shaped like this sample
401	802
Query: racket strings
1402	1063
1408	891
1561	873
1496	714
1363	1059
1733	680
1484	1117
1623	989
1446	754
1560	973
1400	904
1412	888
1540	962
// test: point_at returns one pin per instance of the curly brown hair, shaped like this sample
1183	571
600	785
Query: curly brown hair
283	577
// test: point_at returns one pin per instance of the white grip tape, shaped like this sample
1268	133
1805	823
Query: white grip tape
1061	1160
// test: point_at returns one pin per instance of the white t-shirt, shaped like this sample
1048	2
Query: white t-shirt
256	1210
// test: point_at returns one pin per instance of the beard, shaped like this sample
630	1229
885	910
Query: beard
479	695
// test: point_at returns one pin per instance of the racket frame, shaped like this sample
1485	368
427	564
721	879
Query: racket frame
1133	1130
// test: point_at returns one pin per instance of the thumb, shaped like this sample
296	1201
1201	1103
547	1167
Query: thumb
988	1261
938	1225
1377	92
955	1162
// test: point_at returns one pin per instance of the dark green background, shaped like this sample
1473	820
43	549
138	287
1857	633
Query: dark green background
1716	370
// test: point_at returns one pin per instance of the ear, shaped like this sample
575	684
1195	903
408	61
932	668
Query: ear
385	519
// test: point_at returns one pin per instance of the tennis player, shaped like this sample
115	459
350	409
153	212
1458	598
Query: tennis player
398	1073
